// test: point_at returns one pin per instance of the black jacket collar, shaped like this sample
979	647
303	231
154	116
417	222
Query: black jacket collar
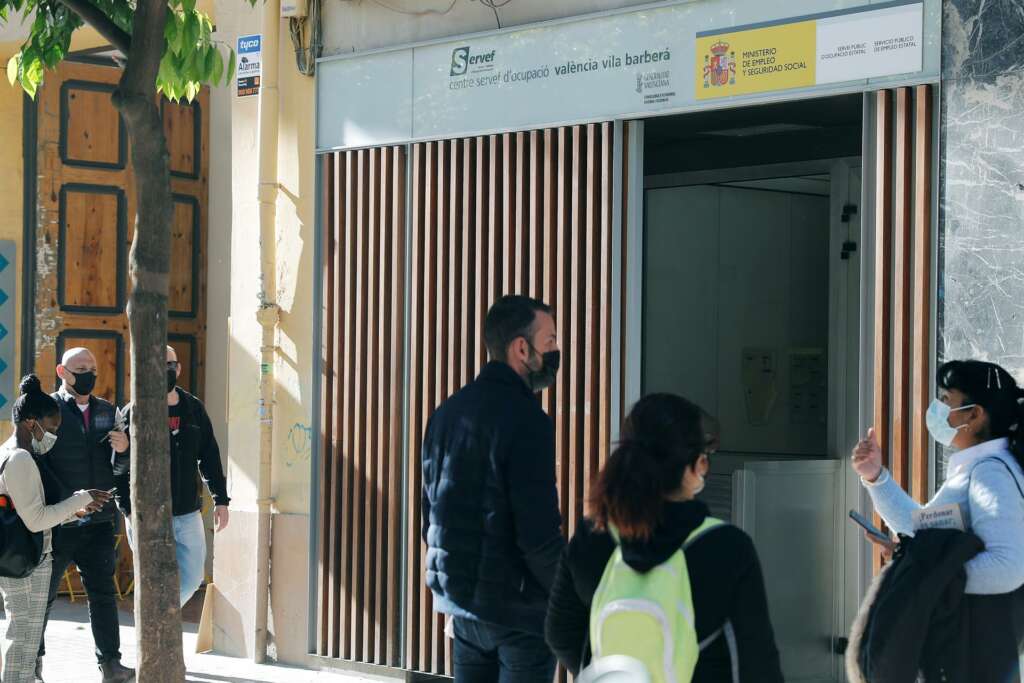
502	373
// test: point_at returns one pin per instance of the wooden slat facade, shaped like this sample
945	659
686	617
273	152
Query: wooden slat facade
363	332
528	213
903	291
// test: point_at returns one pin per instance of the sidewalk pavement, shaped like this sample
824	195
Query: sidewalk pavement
70	658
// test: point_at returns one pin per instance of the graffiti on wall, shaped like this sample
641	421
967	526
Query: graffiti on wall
300	443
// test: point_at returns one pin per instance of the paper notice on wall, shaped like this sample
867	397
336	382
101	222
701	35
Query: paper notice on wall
802	52
942	517
250	65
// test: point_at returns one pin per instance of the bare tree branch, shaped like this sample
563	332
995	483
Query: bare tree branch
91	15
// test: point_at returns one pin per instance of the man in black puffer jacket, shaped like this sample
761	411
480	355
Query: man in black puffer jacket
490	503
80	459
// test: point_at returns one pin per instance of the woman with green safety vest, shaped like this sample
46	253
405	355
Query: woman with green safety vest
651	575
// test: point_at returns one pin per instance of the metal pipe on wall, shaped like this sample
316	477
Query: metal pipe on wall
268	312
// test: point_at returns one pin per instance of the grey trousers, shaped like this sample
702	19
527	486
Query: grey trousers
25	607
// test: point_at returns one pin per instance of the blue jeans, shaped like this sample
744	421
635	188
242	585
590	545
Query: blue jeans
190	548
485	653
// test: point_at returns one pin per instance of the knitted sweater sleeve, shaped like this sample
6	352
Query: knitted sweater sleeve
893	504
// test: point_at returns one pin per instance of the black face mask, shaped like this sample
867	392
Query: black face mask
172	380
85	382
544	376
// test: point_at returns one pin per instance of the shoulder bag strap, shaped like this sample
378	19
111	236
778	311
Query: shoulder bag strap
1008	469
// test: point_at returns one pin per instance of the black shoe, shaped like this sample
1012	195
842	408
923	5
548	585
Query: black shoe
39	670
115	672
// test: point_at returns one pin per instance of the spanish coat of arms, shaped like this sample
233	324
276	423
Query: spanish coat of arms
719	66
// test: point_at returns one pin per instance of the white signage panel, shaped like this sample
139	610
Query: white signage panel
621	64
587	70
872	44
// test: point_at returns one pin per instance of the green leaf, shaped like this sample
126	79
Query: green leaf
188	6
210	63
191	90
13	66
231	66
192	31
182	35
218	67
54	55
171	30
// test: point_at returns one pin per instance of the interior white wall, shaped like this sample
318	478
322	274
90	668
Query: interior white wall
728	270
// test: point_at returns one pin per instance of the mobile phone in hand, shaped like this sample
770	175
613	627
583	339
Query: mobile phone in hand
869	527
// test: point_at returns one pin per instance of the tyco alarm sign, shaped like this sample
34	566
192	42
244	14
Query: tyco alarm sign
249	65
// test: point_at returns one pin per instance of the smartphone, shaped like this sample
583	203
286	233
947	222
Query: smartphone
112	491
868	526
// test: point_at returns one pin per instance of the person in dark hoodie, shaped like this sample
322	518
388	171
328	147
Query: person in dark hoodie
646	491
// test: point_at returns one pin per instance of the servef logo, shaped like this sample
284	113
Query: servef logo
460	61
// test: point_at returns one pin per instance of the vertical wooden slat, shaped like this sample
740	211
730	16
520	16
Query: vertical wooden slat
381	484
883	258
494	242
337	452
428	386
605	325
327	569
508	214
455	359
536	216
626	341
442	342
415	574
396	336
883	276
468	324
361	399
349	567
561	288
590	298
577	341
370	402
921	390
550	246
482	246
902	272
521	258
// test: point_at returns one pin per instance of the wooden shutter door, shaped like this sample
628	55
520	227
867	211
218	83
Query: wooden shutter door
86	221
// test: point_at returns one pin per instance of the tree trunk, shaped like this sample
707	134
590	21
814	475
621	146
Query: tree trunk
157	612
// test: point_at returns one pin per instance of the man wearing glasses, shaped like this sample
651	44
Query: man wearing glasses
194	452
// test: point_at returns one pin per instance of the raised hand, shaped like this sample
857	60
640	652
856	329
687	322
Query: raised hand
867	457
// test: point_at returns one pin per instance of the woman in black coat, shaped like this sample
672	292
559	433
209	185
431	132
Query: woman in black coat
647	491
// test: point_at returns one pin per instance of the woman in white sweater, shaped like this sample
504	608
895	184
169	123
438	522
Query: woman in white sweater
979	414
36	417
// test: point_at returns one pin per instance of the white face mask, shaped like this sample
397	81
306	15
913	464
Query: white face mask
937	420
44	445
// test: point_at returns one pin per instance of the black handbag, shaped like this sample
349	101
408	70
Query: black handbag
21	551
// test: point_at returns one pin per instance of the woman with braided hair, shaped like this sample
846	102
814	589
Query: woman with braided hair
979	414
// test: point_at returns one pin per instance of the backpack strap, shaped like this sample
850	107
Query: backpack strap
709	524
1008	469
